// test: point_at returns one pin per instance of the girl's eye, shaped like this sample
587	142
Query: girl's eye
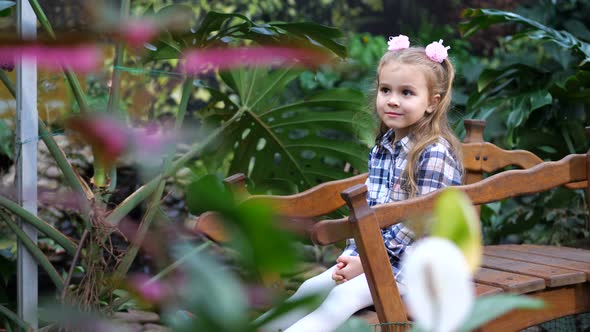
384	90
407	92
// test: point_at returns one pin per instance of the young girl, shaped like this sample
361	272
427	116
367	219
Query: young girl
415	153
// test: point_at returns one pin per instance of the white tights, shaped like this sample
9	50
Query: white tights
342	301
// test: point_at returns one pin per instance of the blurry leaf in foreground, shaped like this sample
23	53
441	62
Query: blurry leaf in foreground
455	219
309	302
254	229
212	295
200	61
260	239
209	193
440	292
357	325
487	308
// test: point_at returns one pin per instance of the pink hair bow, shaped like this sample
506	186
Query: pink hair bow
398	43
436	51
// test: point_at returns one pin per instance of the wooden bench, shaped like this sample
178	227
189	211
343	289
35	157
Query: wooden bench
558	275
479	158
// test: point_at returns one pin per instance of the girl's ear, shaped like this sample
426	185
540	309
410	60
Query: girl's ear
433	103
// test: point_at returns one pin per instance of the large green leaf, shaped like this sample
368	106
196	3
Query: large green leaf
316	34
294	146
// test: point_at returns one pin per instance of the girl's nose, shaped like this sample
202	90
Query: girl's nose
393	101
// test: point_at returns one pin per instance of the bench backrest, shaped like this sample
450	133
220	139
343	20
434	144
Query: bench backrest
365	223
479	158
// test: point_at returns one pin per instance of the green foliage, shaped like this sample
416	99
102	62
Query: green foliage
342	14
226	29
558	217
285	147
535	31
356	72
534	95
6	142
531	80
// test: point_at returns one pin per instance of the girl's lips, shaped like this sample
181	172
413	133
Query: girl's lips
392	114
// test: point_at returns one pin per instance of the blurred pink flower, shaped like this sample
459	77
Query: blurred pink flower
199	61
68	200
152	291
82	58
137	32
111	138
259	297
107	136
7	66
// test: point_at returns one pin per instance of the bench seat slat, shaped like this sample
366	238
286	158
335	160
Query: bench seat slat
574	254
554	276
483	289
526	256
509	282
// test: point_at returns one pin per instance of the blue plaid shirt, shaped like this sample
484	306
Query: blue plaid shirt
437	169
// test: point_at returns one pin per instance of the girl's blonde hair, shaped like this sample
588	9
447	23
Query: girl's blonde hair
428	130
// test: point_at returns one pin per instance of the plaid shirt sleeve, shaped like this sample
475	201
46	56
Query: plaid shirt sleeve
437	169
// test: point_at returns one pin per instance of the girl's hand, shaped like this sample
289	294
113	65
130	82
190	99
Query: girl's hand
351	267
336	275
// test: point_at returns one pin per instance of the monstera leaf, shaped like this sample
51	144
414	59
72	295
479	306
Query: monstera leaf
288	147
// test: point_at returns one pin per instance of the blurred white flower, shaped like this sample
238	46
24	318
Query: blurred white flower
456	219
440	293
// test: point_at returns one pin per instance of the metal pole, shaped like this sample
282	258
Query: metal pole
26	164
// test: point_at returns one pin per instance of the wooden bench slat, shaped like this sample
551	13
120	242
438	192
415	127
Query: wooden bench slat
574	254
509	282
483	289
316	201
526	256
554	276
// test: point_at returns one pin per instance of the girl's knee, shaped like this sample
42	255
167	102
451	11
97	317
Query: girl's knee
340	293
353	291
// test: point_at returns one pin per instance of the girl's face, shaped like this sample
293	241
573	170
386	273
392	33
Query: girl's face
403	97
